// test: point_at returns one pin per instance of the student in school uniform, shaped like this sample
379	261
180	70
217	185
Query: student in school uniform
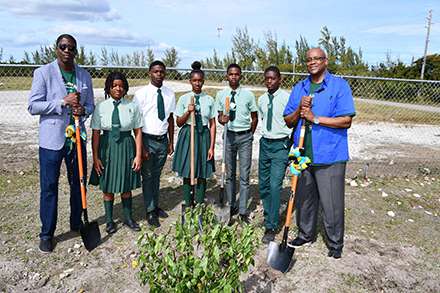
241	124
117	156
204	136
274	149
157	104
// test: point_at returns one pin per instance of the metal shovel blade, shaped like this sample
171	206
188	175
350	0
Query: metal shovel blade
90	235
279	256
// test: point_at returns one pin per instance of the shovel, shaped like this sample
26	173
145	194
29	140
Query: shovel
280	255
192	167
89	231
224	213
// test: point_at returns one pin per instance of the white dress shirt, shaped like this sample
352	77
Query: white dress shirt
146	97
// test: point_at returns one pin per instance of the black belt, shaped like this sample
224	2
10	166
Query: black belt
240	132
156	137
276	139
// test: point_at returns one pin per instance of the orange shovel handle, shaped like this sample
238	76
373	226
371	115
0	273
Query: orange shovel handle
82	178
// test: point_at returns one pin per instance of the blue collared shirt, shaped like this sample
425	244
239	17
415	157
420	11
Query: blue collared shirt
332	99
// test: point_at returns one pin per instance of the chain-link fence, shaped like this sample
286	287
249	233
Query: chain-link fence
396	130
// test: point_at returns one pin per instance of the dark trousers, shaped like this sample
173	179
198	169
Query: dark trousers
152	168
272	165
322	185
240	144
50	165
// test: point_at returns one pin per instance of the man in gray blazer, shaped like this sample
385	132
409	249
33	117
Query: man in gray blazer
59	91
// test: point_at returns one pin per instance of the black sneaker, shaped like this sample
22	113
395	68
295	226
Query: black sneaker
269	235
298	242
153	219
161	213
110	227
46	245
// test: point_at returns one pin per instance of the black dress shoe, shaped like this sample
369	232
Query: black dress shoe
132	225
245	219
153	219
234	211
161	213
269	235
46	245
335	253
110	227
298	242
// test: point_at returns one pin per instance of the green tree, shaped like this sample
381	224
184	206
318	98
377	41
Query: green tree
104	58
150	56
243	47
171	57
301	46
81	57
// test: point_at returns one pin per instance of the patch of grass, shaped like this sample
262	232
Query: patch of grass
383	113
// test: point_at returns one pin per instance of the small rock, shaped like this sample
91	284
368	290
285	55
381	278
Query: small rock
21	173
406	179
8	181
35	276
411	220
391	162
372	211
66	273
408	189
364	199
428	213
399	203
416	195
83	264
77	246
29	250
421	184
69	250
384	194
391	214
353	183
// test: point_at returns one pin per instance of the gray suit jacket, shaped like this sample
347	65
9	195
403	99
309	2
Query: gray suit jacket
48	90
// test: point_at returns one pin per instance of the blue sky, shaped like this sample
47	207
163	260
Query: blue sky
396	27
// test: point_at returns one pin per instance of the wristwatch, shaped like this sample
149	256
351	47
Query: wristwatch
316	120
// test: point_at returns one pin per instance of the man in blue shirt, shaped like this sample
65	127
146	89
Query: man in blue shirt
326	104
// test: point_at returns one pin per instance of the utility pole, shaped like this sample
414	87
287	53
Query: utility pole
429	18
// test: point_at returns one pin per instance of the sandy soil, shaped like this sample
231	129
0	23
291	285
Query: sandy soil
392	220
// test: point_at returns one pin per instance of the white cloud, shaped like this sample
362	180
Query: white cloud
109	36
73	10
402	29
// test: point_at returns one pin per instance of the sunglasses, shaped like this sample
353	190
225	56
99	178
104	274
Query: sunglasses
63	47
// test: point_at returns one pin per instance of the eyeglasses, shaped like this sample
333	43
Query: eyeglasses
316	58
63	47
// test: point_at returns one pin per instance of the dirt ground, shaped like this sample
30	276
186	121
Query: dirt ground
391	242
